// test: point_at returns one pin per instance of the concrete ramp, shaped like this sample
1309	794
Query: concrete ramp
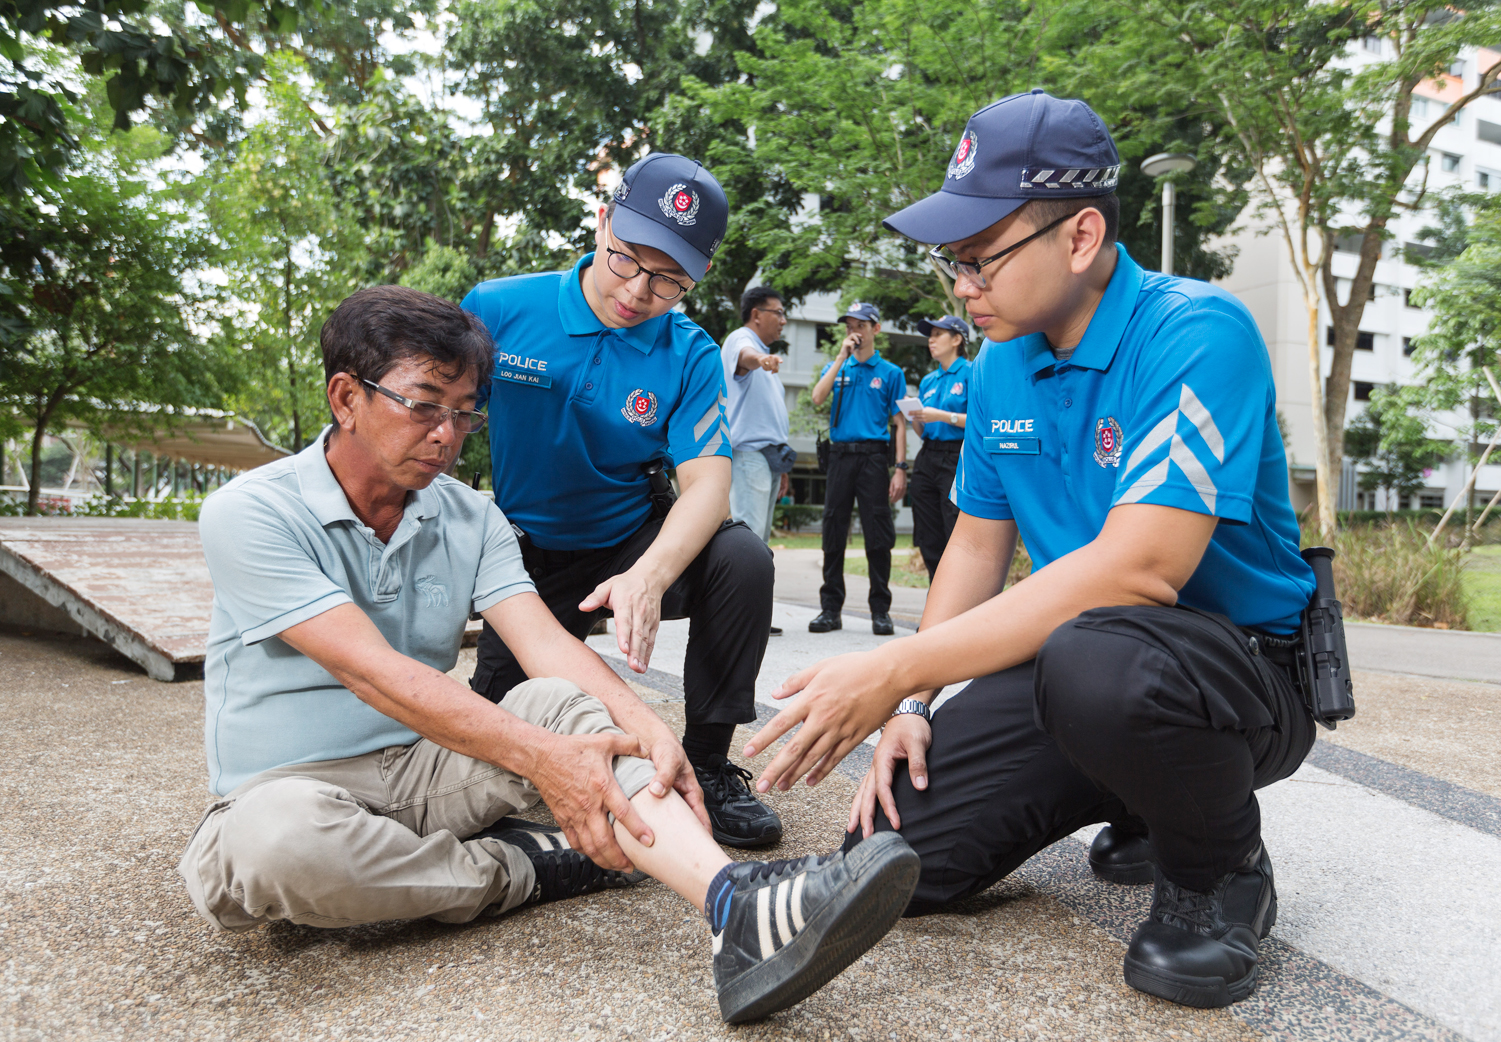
140	586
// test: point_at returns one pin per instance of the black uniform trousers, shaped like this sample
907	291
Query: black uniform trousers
857	469
1157	719
725	593
933	516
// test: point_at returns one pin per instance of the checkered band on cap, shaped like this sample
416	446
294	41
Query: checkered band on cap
1104	178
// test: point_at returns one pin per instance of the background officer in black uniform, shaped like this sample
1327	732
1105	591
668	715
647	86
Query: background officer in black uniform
866	389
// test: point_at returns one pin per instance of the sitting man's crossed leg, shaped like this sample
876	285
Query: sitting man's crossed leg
364	784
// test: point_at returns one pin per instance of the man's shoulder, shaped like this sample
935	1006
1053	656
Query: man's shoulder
459	503
530	290
268	489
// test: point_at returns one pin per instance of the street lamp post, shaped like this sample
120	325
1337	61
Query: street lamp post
1160	165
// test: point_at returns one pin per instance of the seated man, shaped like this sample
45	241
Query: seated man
357	782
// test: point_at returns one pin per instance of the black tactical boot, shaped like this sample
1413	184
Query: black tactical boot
880	624
1199	948
737	817
826	621
562	872
1117	856
782	929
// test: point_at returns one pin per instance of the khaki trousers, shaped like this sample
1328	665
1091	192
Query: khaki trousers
383	835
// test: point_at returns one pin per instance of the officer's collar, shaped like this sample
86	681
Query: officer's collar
875	356
325	497
579	319
1106	326
958	361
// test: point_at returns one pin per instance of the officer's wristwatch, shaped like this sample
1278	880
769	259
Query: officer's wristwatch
902	465
954	418
916	706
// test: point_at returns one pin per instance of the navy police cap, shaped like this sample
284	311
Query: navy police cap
1023	147
672	204
863	312
948	322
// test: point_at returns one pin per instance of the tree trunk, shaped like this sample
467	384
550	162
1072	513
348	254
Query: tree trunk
33	494
1327	521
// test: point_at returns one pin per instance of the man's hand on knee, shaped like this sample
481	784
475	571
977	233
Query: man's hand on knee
576	776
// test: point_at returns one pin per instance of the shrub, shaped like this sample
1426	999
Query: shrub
1387	573
793	516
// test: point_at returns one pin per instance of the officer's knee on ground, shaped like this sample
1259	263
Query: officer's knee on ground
737	552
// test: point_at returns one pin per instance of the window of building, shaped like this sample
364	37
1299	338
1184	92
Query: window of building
1407	299
1449	162
1407	347
1372	44
1457	68
1485	130
1487	180
1364	341
1363	390
1430	501
1417	251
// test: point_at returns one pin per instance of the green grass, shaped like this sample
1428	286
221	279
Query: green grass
801	541
906	569
1482	583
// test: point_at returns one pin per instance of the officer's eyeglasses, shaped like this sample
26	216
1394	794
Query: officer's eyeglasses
431	414
628	267
953	267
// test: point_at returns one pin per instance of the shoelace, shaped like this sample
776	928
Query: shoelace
768	869
1194	909
568	874
730	781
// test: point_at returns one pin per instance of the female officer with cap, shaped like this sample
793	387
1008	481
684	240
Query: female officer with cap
1124	424
944	394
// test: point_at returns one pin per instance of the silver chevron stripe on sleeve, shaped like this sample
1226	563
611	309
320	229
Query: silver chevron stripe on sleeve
707	420
1190	407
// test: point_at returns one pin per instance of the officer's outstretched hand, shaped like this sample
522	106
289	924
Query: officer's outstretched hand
906	737
841	700
638	612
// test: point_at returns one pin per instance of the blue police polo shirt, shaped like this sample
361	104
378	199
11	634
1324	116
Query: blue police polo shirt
1168	399
576	407
864	398
946	389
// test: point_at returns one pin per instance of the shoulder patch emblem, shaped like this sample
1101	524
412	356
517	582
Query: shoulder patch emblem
1107	442
640	407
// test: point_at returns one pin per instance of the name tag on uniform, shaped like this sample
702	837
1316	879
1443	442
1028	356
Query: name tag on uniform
522	376
1014	446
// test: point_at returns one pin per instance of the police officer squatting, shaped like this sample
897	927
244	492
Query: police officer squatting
599	387
1168	655
756	409
857	458
356	782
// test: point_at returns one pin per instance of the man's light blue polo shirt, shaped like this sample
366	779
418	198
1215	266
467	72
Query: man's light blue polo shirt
946	389
864	398
283	546
757	404
576	407
1168	399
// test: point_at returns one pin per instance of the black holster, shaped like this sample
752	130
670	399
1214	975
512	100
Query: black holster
1324	661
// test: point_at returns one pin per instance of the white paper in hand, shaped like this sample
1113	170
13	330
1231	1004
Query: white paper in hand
909	406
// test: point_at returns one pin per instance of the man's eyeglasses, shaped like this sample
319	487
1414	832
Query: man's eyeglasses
953	268
628	267
779	312
431	414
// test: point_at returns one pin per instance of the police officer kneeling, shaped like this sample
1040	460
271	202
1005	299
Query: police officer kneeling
1123	423
598	382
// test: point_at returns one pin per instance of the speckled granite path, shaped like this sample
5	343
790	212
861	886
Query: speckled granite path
102	777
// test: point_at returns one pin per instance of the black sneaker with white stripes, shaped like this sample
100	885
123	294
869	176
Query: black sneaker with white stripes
562	872
783	929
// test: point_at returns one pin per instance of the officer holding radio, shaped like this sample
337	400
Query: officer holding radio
866	389
939	422
598	386
1167	655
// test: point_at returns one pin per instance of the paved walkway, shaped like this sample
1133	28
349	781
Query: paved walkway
1387	846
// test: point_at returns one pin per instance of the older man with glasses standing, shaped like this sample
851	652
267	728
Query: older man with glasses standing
599	388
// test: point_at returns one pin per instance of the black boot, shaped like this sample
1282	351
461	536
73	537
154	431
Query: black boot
825	621
1117	856
1199	948
737	818
880	624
